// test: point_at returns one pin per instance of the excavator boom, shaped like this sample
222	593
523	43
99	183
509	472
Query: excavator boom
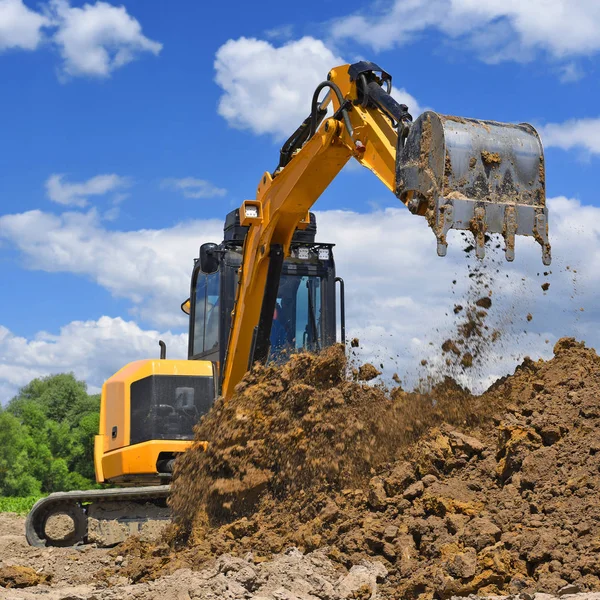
481	176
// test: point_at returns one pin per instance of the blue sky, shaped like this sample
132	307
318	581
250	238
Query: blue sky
132	129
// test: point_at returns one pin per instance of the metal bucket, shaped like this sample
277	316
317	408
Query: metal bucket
481	176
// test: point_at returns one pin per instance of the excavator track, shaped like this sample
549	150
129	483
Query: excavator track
79	505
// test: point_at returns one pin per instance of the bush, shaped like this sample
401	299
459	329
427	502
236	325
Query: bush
18	505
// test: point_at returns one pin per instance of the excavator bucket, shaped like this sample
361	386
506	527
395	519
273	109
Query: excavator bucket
481	176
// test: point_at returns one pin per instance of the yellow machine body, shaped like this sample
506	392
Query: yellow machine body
116	458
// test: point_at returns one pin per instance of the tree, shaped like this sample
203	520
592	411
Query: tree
47	437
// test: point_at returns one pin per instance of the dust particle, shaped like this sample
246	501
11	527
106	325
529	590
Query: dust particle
529	317
354	343
545	286
457	308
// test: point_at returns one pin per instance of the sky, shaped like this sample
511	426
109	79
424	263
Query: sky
129	130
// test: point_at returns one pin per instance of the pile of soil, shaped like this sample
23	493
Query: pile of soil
453	493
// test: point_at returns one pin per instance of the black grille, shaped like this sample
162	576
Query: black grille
166	407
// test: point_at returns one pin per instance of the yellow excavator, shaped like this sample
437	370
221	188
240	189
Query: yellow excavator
269	283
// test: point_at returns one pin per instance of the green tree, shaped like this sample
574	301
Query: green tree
47	437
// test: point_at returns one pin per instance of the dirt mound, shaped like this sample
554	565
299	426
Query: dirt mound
299	428
455	494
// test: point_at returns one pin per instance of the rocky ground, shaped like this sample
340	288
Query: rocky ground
320	486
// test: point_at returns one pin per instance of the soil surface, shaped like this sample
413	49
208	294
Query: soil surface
319	485
454	494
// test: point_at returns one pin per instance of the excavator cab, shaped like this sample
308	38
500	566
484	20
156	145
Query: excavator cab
305	313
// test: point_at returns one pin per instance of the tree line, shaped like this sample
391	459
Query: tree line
47	437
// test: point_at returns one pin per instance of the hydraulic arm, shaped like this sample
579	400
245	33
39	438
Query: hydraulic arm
458	173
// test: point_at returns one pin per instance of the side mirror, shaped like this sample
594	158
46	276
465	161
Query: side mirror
209	259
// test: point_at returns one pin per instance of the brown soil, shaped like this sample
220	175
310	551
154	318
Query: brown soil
491	158
21	577
455	494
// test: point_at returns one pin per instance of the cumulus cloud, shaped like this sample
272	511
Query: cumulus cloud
149	267
20	27
399	292
499	29
268	89
93	40
575	133
76	194
93	350
98	38
191	187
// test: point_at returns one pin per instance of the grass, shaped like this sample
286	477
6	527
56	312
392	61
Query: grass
18	505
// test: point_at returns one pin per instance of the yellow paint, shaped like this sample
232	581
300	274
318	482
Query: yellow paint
115	411
139	459
286	199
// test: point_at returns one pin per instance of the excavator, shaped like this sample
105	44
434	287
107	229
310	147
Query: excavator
269	272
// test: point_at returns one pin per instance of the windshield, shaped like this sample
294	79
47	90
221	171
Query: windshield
297	317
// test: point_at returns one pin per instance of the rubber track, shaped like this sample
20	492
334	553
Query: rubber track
58	501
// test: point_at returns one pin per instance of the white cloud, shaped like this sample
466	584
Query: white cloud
575	133
149	267
93	350
93	40
98	38
76	194
194	188
499	29
399	293
269	89
20	27
571	72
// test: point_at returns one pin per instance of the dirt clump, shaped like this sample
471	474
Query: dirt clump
367	372
21	577
485	302
455	494
491	158
545	286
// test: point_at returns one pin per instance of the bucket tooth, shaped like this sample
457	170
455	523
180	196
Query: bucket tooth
445	220
478	227
540	232
510	230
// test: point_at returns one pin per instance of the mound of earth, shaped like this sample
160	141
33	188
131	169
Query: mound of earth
453	493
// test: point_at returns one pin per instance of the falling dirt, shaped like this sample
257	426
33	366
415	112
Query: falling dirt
545	286
367	372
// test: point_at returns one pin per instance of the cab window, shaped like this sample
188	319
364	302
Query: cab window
206	313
